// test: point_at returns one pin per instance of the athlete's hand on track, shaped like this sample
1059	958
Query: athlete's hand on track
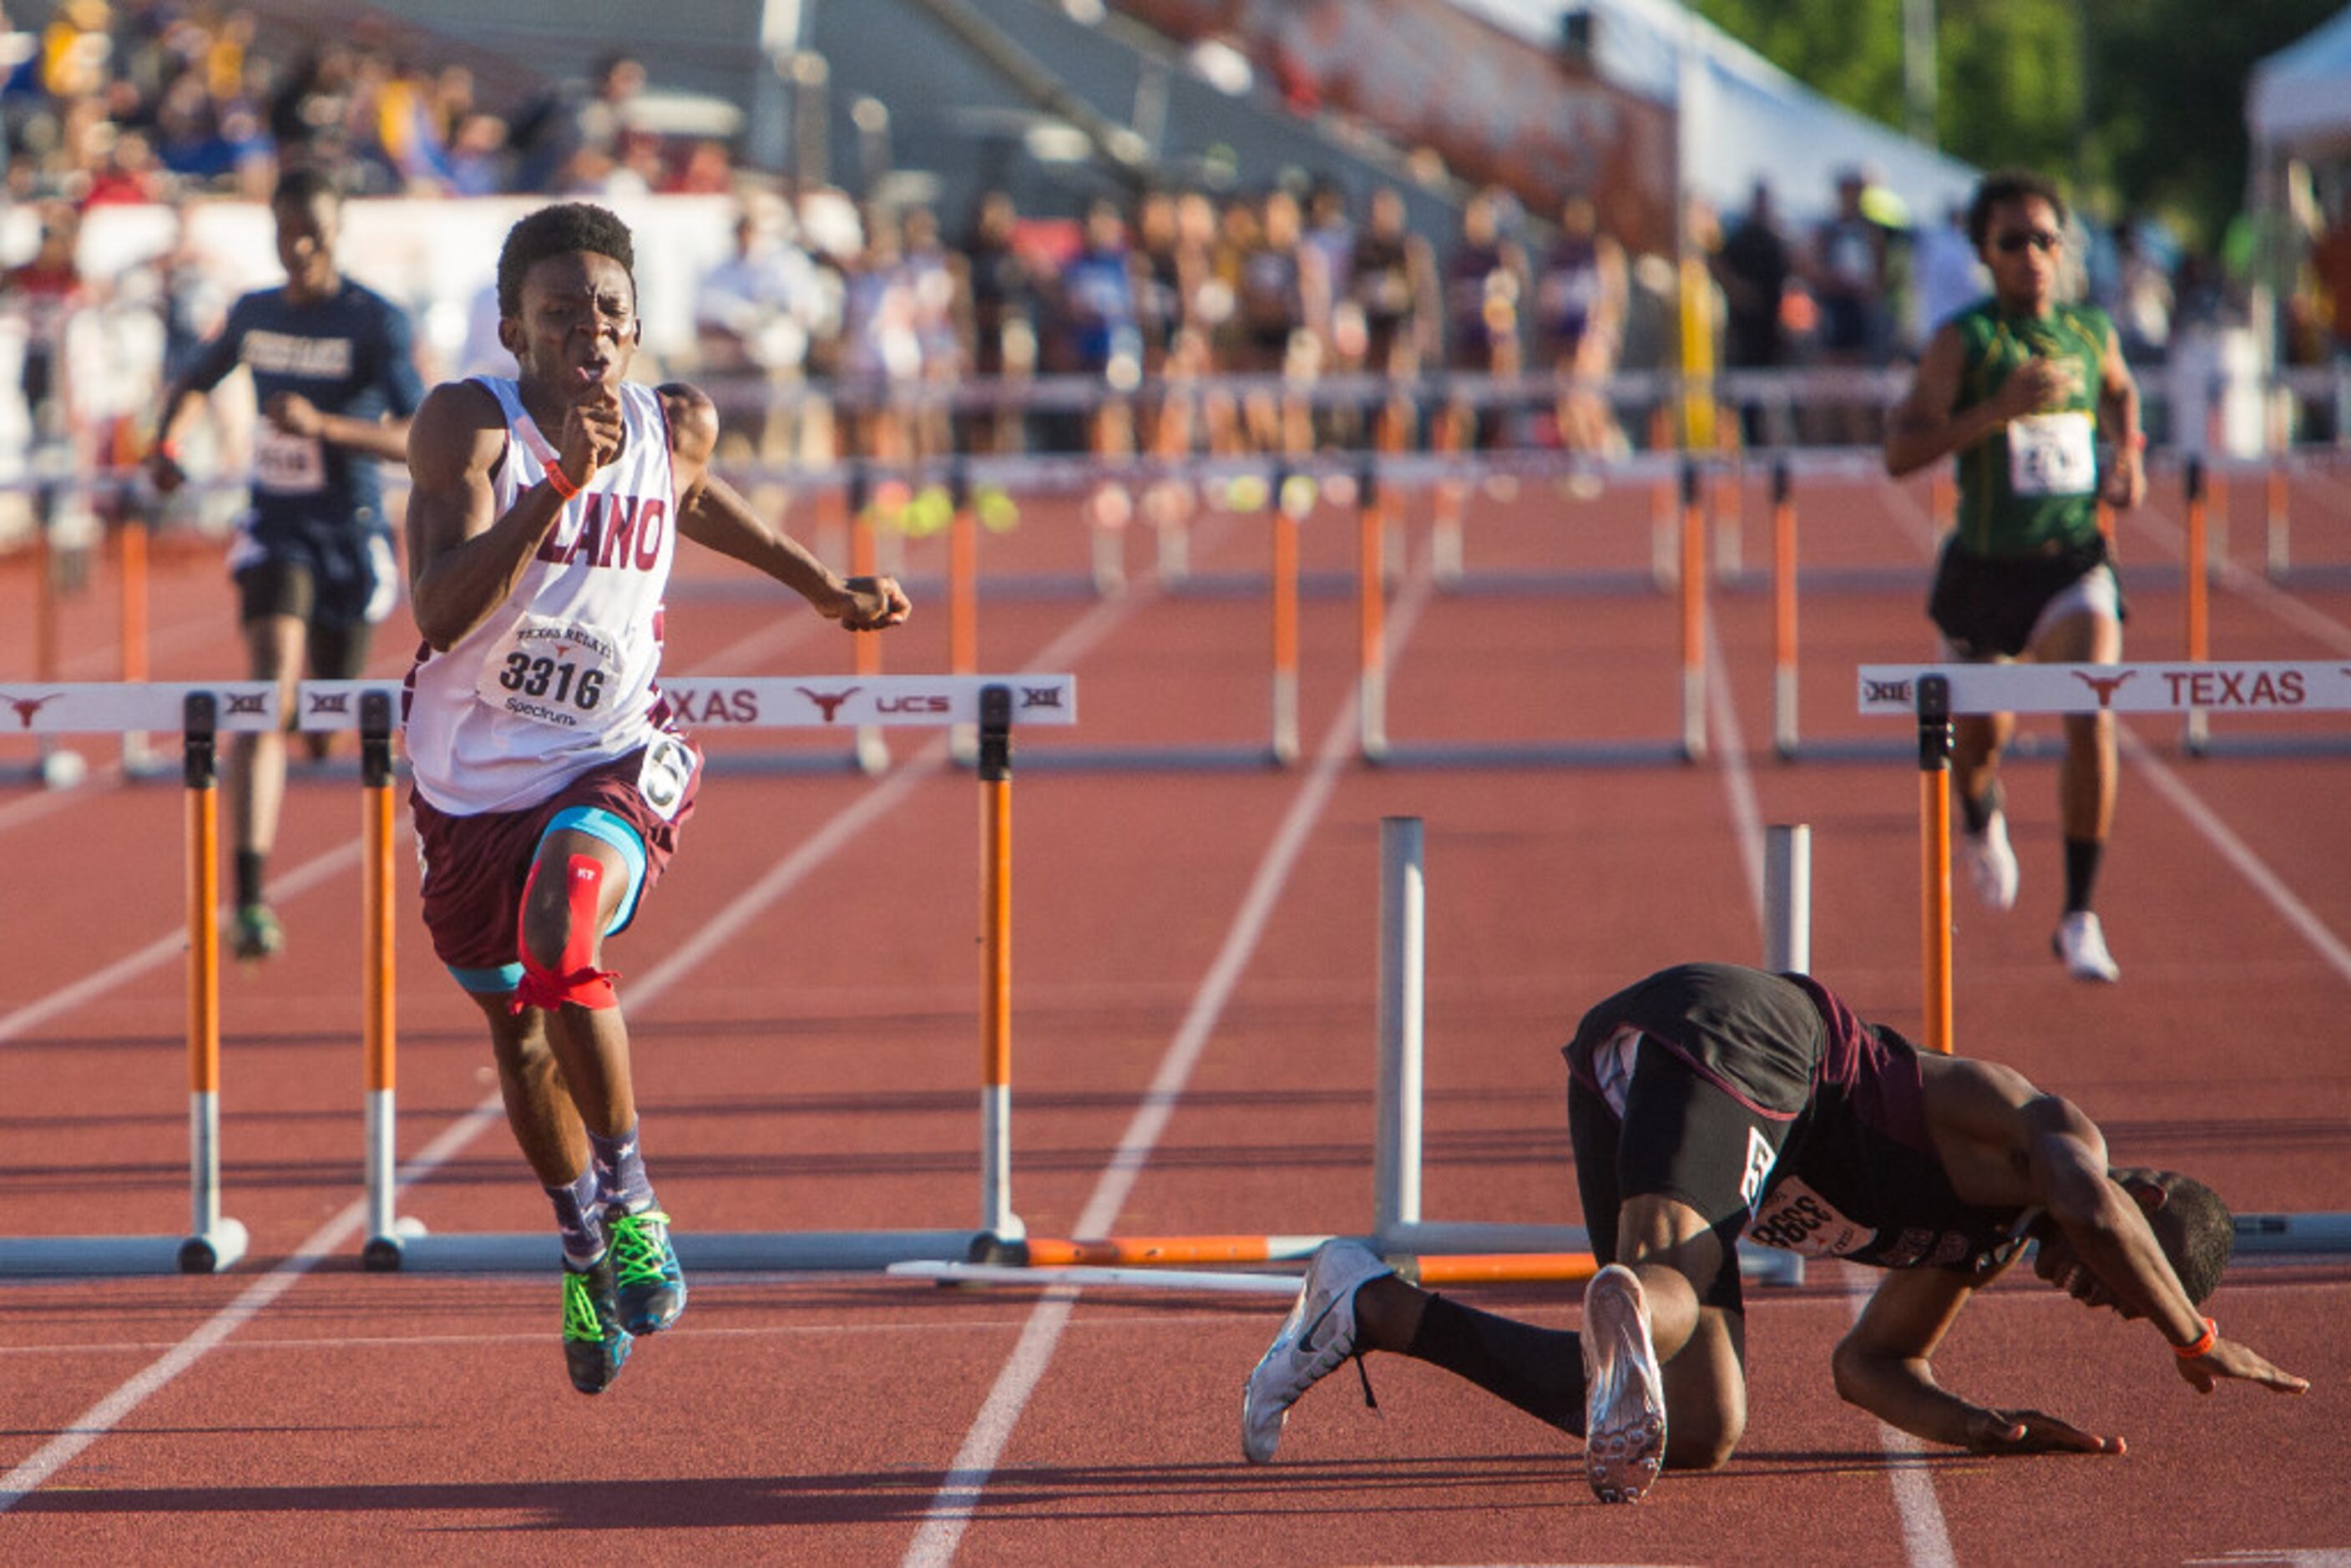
592	434
2227	1359
2033	1432
871	603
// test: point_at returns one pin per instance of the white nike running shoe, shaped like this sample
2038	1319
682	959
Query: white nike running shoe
2082	944
1314	1341
1991	864
1624	1390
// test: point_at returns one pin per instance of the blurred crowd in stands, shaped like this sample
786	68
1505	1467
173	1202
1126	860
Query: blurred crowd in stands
165	101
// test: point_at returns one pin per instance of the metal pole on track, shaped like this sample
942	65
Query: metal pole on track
1693	605
1935	741
213	1243
380	980
963	599
1289	504
1783	613
1371	586
1395	1159
2195	564
1000	1226
1788	898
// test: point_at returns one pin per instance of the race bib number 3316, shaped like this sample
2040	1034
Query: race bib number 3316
553	672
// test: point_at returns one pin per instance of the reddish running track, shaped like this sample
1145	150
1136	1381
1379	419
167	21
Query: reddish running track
1193	957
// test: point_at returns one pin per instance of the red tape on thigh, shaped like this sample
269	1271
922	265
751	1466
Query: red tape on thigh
576	979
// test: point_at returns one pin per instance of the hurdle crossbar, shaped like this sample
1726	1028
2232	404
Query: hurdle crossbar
214	1241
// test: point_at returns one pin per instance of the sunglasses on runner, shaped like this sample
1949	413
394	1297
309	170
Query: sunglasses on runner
2039	239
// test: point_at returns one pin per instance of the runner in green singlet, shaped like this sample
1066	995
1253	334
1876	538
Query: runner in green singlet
2030	398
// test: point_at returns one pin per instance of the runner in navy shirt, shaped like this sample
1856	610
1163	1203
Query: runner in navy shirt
334	373
1710	1102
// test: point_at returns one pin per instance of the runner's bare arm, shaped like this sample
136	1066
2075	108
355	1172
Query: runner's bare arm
711	513
464	559
2125	482
1885	1365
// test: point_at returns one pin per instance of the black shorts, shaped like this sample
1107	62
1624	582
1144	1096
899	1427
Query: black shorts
1987	606
1682	1136
347	579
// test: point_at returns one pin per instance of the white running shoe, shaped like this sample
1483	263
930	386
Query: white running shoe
1991	864
2082	944
1624	1390
1315	1340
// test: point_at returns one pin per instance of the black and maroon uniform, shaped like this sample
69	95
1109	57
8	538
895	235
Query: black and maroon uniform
1763	1102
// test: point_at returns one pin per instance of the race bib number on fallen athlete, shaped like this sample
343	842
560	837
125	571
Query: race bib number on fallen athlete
553	672
288	464
669	768
1794	1217
2052	455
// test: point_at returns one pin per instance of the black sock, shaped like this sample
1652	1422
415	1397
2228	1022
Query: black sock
1976	811
248	875
1540	1371
2081	871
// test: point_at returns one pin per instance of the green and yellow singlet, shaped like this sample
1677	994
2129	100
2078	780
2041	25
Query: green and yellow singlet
2032	484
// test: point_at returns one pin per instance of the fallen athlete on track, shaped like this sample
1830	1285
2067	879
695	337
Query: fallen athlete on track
1710	1102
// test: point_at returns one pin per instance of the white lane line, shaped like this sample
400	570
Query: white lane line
111	1411
1926	1538
2234	850
959	1496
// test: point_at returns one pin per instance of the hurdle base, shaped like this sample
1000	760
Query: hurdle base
216	1250
102	1256
2292	1233
1761	1265
717	1252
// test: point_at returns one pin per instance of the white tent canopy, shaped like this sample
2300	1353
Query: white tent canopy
2300	98
1744	119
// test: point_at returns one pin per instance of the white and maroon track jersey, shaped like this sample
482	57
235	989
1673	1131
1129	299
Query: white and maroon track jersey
560	677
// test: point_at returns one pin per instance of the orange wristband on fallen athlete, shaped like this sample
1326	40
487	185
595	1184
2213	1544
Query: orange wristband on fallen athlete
560	481
2203	1346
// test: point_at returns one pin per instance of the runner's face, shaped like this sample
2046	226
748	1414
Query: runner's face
306	242
578	327
2023	245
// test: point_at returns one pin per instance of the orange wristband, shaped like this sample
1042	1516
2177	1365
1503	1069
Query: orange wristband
561	481
2203	1346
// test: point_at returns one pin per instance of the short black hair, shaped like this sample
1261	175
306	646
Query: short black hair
559	230
2008	185
2194	1229
300	187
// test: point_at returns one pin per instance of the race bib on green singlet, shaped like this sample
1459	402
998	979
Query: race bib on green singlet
553	672
2053	453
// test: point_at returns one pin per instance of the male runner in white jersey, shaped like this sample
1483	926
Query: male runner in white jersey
550	781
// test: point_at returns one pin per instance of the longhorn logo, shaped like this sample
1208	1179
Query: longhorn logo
28	707
2104	686
828	703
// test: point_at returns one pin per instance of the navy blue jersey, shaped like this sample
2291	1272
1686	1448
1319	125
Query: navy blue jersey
351	355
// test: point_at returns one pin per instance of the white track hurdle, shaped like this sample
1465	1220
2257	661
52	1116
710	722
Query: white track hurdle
1399	1227
214	1242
